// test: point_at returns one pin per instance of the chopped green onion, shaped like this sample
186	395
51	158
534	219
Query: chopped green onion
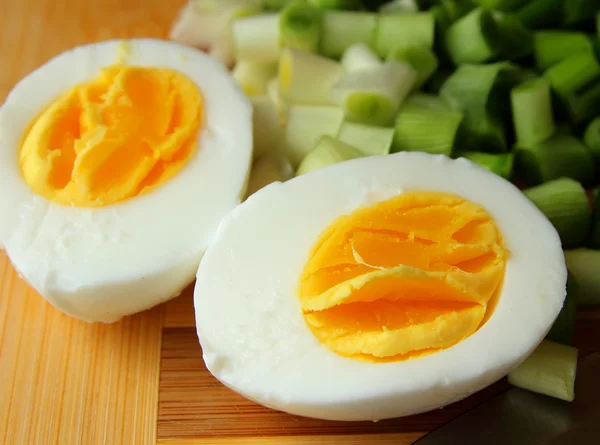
560	156
591	138
421	58
270	167
565	204
256	38
537	14
278	102
253	76
550	370
563	328
342	29
305	124
300	27
306	78
532	112
267	132
470	39
455	9
399	7
514	40
421	127
327	151
501	164
578	11
371	140
573	73
500	5
435	82
594	238
584	105
335	4
416	29
374	96
275	5
359	57
429	101
584	265
552	47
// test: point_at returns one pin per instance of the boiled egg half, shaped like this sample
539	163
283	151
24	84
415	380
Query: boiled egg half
118	161
376	288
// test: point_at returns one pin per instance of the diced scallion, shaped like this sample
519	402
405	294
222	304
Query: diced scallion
421	58
551	47
275	5
500	5
573	73
584	265
359	57
470	39
370	140
327	151
399	7
560	156
335	4
342	29
257	37
591	138
254	76
565	204
306	78
583	105
537	14
532	111
267	134
549	370
300	27
594	238
416	29
270	167
501	164
305	125
563	328
421	127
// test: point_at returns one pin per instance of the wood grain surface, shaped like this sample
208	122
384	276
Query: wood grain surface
142	380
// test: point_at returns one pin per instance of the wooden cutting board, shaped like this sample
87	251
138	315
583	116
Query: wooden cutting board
142	380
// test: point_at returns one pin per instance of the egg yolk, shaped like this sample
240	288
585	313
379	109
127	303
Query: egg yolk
119	135
411	275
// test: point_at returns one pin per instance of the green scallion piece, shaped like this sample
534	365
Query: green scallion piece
560	156
327	151
256	38
577	12
359	57
275	5
336	4
514	40
471	38
501	164
591	138
416	29
500	5
552	47
584	265
565	204
268	168
399	7
426	126
584	105
573	73
550	370
421	58
342	29
563	328
371	140
532	112
536	14
300	27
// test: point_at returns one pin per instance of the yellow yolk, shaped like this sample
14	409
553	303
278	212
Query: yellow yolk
122	134
411	275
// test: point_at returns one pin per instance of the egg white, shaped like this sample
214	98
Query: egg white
99	264
250	323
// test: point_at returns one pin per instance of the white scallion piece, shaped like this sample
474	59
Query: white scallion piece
257	37
359	57
369	139
267	131
253	77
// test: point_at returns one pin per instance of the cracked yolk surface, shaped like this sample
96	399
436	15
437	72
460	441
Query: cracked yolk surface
411	275
119	135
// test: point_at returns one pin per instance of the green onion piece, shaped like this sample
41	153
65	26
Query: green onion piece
421	127
455	9
369	139
306	78
501	164
563	328
584	265
537	14
429	101
552	47
374	96
500	5
594	238
359	57
573	73
560	156
399	7
514	40
591	138
278	102
550	370
578	11
335	4
584	105
327	151
565	204
267	132
342	29
421	58
275	5
469	40
300	27
532	112
305	125
270	167
256	38
416	29
435	82
253	76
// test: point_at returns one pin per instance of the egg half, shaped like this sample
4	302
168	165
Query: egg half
376	288
118	161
